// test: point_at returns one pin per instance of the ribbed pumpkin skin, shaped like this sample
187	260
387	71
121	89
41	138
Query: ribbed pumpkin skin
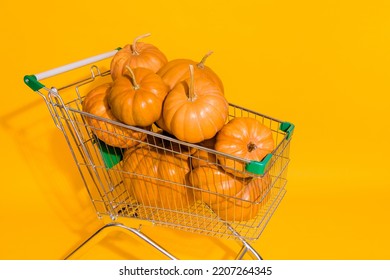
195	119
230	198
162	179
95	102
246	138
138	106
176	71
147	56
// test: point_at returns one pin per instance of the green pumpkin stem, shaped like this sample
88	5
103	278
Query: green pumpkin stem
132	78
134	45
203	61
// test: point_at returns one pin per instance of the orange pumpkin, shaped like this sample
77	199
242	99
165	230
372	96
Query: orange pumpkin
245	138
195	109
156	178
136	55
95	103
230	198
200	157
175	71
179	150
136	98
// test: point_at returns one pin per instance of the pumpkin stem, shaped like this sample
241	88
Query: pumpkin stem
203	61
132	76
134	45
251	147
191	91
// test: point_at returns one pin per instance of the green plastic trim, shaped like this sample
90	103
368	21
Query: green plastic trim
258	167
111	155
288	128
32	82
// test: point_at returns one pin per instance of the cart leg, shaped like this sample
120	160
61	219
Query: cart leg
129	229
246	246
244	250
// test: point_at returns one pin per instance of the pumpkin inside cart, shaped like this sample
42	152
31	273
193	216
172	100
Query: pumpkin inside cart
135	55
233	199
156	178
195	109
136	97
96	104
176	71
245	138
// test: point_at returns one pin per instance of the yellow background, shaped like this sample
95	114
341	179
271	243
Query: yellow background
322	65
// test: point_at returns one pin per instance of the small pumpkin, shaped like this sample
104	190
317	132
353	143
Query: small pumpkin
156	178
138	54
175	71
136	98
195	109
245	138
230	198
95	103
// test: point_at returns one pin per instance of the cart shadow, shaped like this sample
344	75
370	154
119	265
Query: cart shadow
120	245
38	141
183	245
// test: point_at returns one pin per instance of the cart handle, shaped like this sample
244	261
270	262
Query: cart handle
32	81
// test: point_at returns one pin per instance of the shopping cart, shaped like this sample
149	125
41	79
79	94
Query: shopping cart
117	193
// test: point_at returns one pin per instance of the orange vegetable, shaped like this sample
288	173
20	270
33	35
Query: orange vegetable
245	138
95	103
136	98
175	71
138	54
156	178
195	109
230	198
201	157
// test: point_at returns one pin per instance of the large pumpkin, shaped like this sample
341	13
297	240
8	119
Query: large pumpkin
195	109
175	71
138	54
95	103
156	178
136	98
245	138
230	198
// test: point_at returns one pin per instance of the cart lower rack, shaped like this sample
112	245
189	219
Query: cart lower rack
122	181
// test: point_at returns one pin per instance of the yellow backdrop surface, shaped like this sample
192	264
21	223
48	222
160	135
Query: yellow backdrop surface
322	65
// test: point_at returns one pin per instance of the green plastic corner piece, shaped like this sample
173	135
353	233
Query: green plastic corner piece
288	128
32	82
259	167
111	155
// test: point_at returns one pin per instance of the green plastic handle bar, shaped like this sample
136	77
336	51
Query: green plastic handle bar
32	82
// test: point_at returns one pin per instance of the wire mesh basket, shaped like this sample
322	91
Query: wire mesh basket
149	175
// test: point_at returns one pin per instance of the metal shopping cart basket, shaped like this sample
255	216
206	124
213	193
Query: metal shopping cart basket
119	192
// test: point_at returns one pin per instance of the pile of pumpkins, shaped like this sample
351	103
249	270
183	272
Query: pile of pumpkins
186	100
